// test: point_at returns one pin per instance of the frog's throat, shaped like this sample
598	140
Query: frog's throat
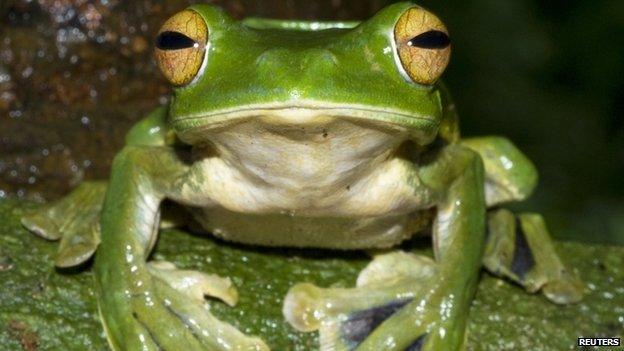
301	114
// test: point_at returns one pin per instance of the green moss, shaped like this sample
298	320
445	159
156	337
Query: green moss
43	308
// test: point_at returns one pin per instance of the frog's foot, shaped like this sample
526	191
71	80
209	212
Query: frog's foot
74	220
345	317
519	248
165	309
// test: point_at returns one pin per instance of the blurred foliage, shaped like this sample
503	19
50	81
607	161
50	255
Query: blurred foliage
549	75
75	74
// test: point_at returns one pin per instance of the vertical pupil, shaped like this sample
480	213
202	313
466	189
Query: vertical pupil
169	40
433	39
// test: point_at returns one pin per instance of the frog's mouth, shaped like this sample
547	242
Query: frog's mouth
308	115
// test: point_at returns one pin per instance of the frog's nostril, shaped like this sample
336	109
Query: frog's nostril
272	58
320	56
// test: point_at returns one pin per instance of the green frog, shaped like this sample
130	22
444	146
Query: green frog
334	135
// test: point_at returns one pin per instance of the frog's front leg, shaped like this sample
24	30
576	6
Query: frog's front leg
436	318
425	307
142	306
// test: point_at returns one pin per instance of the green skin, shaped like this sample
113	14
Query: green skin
254	68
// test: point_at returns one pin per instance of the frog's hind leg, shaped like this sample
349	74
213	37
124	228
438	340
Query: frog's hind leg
519	248
344	317
74	220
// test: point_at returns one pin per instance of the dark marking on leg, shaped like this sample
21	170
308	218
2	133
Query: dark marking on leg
523	259
417	344
152	336
362	323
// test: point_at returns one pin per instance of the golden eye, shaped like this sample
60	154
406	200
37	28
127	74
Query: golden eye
423	45
181	46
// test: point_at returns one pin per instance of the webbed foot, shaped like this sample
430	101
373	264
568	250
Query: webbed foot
74	220
519	248
164	309
387	288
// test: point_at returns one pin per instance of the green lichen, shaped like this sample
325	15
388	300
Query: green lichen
42	308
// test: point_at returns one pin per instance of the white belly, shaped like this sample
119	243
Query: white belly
323	167
320	182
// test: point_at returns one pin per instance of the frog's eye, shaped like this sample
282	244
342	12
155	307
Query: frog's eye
423	45
181	46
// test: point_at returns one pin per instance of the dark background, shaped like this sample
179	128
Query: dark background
76	74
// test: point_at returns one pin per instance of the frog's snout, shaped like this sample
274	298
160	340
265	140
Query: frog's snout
296	61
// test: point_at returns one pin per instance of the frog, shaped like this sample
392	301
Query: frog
332	135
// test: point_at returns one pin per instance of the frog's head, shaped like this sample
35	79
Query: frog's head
384	69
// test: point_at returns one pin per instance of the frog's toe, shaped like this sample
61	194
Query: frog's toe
196	285
303	307
40	223
396	266
346	316
567	288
